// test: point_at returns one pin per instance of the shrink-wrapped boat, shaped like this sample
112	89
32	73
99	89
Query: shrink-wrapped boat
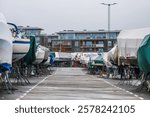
41	55
129	42
143	55
30	56
5	44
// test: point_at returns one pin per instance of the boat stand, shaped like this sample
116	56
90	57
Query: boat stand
6	81
143	81
19	78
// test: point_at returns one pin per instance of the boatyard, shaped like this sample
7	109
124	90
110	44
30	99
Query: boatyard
74	84
31	71
73	64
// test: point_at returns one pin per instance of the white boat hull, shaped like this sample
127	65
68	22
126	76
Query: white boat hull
40	54
20	48
48	61
5	42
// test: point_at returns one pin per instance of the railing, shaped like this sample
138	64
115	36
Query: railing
93	45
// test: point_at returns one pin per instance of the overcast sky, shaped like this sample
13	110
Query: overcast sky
57	15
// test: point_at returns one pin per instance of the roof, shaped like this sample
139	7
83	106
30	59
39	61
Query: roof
85	31
31	28
53	35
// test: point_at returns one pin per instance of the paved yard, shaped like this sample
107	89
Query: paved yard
70	84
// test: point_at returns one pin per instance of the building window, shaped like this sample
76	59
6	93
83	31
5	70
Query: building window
100	44
67	36
113	36
101	36
76	43
109	43
88	43
88	50
68	43
80	36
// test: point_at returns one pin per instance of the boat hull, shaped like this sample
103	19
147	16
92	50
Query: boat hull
48	61
5	44
20	48
40	55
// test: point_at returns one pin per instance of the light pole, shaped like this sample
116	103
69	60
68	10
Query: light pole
108	17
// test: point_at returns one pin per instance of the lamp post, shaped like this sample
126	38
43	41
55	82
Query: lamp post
108	17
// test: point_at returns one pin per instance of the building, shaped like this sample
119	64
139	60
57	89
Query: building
43	40
50	38
31	31
83	41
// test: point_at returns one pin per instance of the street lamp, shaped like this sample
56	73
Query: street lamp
108	16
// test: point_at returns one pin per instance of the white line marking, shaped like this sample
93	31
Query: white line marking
141	98
27	92
136	95
131	93
55	71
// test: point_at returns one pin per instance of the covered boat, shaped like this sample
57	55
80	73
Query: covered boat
46	54
106	59
5	44
20	45
143	55
87	57
99	60
111	57
76	56
129	42
20	48
50	59
41	55
30	56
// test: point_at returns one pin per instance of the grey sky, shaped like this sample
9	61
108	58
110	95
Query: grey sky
57	15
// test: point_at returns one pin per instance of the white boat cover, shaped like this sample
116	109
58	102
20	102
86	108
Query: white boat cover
129	41
86	57
73	55
110	56
5	42
106	59
48	61
62	55
76	56
56	55
113	54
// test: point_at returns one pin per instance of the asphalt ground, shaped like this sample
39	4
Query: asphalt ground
74	84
